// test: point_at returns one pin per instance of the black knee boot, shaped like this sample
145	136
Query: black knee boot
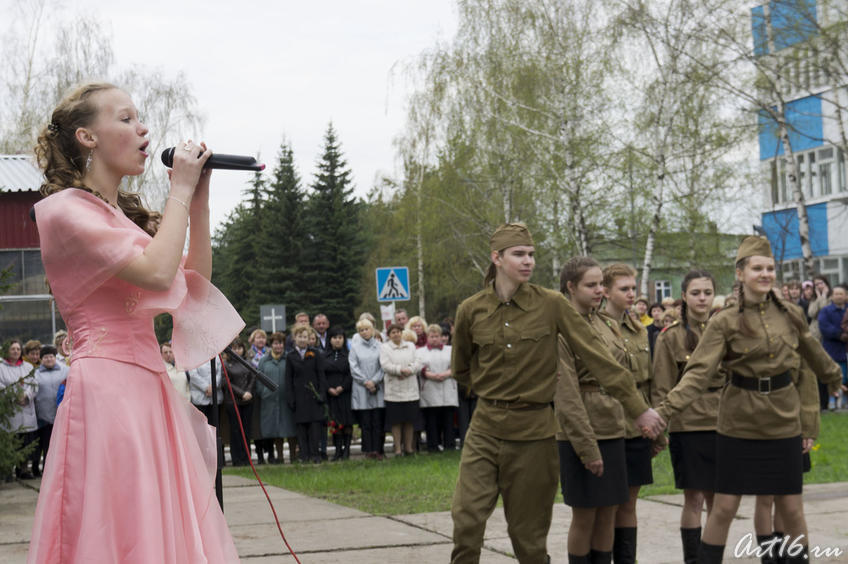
710	553
337	446
690	538
574	559
600	557
801	558
624	545
768	549
346	447
779	557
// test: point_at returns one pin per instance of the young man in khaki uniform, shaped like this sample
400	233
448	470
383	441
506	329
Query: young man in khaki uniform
505	350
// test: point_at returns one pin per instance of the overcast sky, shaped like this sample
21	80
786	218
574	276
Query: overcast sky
261	70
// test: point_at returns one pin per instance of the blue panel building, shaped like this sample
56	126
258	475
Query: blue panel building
813	137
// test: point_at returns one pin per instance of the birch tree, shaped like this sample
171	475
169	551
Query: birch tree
682	127
49	50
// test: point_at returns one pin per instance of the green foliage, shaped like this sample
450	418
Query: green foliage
11	453
281	235
334	243
383	487
371	486
237	250
163	326
283	246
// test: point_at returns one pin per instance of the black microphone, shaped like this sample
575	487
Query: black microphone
219	161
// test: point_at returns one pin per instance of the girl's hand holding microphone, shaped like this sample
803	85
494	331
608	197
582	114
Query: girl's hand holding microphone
189	180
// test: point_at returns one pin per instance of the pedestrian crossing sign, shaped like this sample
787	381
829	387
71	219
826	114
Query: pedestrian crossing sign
392	284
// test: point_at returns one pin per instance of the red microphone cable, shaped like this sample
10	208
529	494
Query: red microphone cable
249	461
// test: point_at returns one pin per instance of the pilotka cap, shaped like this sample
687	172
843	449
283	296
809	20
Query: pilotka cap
754	245
510	235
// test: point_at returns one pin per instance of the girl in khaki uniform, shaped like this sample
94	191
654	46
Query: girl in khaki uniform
692	433
759	443
620	293
591	426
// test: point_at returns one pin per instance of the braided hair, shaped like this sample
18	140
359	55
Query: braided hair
62	158
691	338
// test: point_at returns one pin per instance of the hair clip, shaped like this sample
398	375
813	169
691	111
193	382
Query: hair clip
52	127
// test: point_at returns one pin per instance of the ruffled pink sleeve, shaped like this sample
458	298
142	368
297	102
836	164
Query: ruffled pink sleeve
84	243
204	321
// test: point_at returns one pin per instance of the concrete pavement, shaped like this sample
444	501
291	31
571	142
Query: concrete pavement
322	532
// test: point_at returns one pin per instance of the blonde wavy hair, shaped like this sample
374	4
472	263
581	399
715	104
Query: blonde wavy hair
62	158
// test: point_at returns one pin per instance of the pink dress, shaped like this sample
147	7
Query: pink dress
130	475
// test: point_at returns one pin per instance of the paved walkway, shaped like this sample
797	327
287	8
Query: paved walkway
322	532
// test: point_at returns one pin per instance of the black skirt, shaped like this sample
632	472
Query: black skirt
581	488
398	412
637	453
340	410
693	458
758	466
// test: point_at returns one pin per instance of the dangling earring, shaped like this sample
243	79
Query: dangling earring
88	161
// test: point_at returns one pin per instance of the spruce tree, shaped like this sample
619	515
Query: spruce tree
239	251
282	236
335	248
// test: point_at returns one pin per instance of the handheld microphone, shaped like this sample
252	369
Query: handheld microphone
219	161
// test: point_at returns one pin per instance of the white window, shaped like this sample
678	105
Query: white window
662	289
826	171
821	172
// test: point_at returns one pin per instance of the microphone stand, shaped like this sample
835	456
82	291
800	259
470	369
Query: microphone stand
219	442
267	382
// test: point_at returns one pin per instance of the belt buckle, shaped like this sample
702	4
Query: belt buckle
765	390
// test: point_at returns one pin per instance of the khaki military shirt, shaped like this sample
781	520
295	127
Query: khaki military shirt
773	347
670	358
810	408
638	358
586	409
506	352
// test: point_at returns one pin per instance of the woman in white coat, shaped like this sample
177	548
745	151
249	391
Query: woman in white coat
439	398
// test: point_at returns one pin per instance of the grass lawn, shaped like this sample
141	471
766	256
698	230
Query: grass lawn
425	482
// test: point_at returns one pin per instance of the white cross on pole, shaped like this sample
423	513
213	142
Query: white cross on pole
273	319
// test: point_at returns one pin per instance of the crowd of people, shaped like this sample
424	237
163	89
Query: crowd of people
400	381
396	381
561	383
37	374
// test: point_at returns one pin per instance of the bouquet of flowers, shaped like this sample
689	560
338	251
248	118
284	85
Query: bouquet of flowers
311	387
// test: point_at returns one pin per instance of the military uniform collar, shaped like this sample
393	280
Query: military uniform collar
758	306
521	297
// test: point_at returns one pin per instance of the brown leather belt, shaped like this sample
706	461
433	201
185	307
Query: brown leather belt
515	405
763	385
